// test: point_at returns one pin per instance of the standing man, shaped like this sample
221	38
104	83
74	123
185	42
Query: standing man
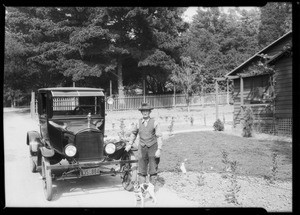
150	144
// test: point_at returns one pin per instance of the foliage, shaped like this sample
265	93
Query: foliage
192	120
171	126
274	169
64	44
247	122
257	68
276	20
122	133
218	125
187	76
55	46
221	41
231	173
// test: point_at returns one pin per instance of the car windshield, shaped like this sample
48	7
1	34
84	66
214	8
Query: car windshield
78	105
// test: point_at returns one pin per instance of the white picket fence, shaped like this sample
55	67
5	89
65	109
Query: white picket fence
165	101
134	102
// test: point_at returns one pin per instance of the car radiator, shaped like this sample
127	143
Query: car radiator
89	145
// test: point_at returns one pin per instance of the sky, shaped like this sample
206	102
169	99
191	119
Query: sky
187	16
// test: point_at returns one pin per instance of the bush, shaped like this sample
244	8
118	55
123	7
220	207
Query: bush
218	125
248	122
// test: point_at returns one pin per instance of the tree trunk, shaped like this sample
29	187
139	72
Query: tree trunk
120	81
187	100
14	102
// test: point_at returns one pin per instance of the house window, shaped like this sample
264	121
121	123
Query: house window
260	89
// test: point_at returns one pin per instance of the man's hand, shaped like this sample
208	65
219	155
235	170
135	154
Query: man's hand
128	147
157	153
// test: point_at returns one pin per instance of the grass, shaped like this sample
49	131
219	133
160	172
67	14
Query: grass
203	150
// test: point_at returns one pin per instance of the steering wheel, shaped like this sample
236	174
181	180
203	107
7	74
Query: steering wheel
79	110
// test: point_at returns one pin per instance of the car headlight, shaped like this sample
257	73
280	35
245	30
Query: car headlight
70	150
110	148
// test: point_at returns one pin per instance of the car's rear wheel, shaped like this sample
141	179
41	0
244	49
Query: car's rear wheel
47	178
130	172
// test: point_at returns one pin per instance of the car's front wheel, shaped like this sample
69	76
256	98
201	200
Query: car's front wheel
47	178
130	172
33	167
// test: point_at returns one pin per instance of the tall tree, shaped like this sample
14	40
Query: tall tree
221	40
276	20
187	75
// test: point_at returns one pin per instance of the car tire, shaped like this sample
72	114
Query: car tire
47	179
33	167
130	176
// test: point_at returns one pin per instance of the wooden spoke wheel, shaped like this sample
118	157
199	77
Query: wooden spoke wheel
130	172
47	179
33	167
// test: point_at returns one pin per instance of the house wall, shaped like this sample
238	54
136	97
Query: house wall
283	91
283	88
263	116
260	112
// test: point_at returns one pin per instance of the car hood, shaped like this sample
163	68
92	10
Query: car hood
73	126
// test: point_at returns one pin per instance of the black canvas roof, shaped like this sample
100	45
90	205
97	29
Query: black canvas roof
73	91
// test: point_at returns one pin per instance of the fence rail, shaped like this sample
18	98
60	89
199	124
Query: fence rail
165	101
157	101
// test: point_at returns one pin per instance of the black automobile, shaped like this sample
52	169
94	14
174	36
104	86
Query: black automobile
70	143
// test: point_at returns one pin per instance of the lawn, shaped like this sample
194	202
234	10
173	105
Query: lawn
203	151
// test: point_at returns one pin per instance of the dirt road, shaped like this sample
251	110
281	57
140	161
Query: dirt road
24	189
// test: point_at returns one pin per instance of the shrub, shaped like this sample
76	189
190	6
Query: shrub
171	126
248	122
192	120
218	125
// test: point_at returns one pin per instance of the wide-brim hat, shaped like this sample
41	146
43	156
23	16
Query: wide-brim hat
145	106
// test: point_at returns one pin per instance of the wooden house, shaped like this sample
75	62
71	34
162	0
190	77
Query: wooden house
264	83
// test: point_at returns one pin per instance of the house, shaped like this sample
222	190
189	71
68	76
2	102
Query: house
265	83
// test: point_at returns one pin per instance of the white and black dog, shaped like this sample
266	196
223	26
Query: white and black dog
141	190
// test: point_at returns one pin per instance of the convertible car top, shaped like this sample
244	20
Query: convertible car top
73	91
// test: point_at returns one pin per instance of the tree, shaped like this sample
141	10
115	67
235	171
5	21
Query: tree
220	41
276	20
148	36
187	76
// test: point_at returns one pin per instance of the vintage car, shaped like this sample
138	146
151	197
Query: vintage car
70	143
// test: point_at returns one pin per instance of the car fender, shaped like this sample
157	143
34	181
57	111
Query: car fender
47	152
32	136
34	142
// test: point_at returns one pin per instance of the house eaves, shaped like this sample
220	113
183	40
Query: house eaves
278	56
258	54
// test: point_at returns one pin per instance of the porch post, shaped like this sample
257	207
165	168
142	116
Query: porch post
242	96
174	98
242	90
217	100
227	82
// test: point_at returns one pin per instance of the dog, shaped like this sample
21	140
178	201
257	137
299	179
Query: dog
141	190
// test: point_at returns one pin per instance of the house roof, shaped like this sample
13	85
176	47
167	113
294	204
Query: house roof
279	55
259	55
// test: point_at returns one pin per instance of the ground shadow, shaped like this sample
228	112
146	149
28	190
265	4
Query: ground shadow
82	186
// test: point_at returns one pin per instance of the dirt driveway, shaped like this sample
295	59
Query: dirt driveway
24	189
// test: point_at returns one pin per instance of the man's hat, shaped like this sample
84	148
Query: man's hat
145	106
